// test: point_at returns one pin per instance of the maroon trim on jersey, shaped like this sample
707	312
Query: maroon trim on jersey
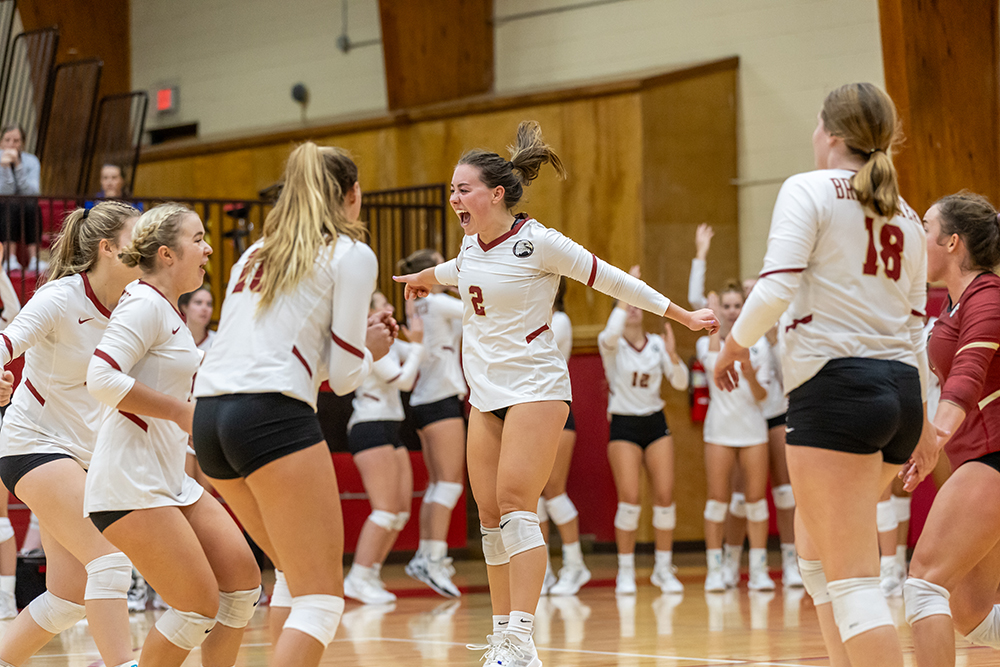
371	397
135	419
448	348
795	323
771	273
593	271
10	346
536	333
101	354
347	346
202	341
645	342
503	237
298	355
394	379
34	392
89	291
172	305
917	313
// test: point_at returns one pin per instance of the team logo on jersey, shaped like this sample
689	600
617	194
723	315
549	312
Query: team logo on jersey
523	249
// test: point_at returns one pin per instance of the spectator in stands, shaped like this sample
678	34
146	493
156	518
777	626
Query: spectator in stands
20	174
113	185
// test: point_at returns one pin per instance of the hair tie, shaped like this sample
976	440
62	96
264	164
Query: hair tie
86	212
510	164
875	150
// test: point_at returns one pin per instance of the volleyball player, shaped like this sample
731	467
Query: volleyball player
197	309
296	311
847	260
635	363
384	464
180	538
10	305
50	429
438	412
507	272
955	569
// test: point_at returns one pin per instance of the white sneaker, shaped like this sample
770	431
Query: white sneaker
550	579
13	266
37	265
509	651
666	578
790	575
715	580
439	574
137	592
891	579
625	582
760	580
571	580
363	590
8	606
417	567
158	602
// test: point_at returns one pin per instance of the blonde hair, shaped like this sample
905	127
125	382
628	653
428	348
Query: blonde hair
865	118
159	226
309	214
76	249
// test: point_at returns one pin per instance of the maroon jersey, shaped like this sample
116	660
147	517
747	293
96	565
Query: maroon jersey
963	354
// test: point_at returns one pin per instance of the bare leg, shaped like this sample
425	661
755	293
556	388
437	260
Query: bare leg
626	467
485	432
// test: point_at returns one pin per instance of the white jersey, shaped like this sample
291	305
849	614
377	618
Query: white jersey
440	371
635	373
306	336
562	329
933	384
139	460
509	352
735	418
10	305
853	285
206	343
377	399
52	412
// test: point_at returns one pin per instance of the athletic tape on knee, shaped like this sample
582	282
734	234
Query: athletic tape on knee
520	532
108	577
447	494
542	513
922	599
382	519
885	517
665	518
858	606
627	517
184	629
784	498
280	595
237	608
987	633
901	505
6	530
493	549
715	511
814	580
402	518
758	511
561	509
53	614
317	616
737	506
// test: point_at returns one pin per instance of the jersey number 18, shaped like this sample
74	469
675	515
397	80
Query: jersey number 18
891	238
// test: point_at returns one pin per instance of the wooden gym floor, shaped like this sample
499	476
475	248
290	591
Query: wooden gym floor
594	628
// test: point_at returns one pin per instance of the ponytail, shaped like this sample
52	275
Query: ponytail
76	248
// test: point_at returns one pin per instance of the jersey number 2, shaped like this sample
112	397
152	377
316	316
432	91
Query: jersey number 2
891	238
477	299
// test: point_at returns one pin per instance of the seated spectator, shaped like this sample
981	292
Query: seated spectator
20	174
113	185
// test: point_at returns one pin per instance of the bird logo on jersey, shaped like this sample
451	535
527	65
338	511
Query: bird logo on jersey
523	249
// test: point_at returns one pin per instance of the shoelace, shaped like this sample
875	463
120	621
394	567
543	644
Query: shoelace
495	651
490	648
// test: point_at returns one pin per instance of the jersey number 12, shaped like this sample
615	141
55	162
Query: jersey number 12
891	238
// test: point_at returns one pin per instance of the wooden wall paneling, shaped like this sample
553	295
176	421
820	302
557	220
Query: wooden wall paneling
942	68
436	50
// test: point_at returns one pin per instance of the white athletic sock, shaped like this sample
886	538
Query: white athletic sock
500	622
887	561
663	559
422	548
626	561
714	558
733	554
436	549
758	558
521	625
360	571
8	583
572	555
377	569
901	556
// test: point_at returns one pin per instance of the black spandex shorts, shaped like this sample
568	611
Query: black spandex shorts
236	434
570	421
501	414
775	422
446	408
104	519
992	460
643	431
13	468
366	435
859	406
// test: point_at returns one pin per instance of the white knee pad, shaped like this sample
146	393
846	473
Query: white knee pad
922	599
108	577
317	616
987	633
429	492
885	517
543	514
737	506
402	518
237	608
6	530
627	517
665	518
520	532
814	581
446	493
382	519
758	511
715	511
901	505
784	499
184	629
280	595
561	509
33	523
858	606
54	614
493	549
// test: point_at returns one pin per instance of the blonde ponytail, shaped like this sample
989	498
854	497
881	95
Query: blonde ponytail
76	248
